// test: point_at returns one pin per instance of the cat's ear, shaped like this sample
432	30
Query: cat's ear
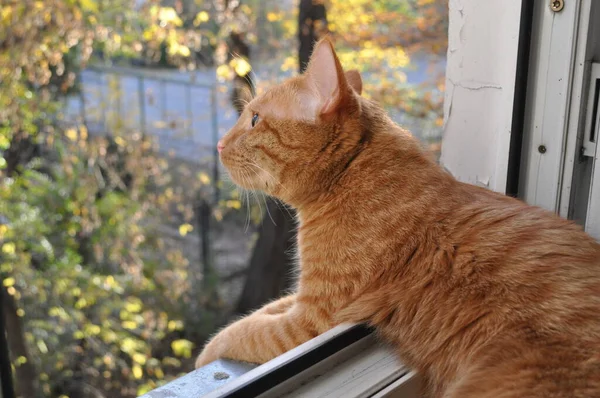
327	78
354	80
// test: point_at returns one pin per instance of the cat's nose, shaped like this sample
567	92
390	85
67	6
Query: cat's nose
220	146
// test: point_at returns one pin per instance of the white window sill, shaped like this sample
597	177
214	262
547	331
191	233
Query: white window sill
346	361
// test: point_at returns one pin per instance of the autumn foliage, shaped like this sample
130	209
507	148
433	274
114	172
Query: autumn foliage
97	300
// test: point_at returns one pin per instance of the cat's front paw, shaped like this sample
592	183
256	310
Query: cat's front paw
205	358
209	354
214	350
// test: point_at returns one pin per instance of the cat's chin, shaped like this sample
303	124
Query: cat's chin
245	181
252	180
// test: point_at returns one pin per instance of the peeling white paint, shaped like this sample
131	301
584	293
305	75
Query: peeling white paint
480	80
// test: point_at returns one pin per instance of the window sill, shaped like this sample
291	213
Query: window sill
346	361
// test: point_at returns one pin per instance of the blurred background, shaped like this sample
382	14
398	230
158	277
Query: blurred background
124	245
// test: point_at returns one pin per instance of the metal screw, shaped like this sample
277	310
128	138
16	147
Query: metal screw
557	5
542	149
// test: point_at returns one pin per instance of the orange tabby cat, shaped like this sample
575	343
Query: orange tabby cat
482	294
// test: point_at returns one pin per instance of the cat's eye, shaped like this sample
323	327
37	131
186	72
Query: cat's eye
254	119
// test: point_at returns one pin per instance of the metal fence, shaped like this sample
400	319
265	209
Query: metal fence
176	110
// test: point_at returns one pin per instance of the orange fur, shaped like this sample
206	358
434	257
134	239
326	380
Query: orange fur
481	293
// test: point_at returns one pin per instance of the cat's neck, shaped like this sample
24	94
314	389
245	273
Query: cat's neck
391	166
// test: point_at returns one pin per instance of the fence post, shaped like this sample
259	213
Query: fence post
82	100
188	110
142	105
163	100
215	131
103	86
204	213
119	102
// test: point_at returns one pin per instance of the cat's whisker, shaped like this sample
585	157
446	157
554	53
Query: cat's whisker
267	207
264	198
258	202
282	206
273	179
247	195
253	193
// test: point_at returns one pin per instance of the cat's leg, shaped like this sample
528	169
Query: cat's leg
261	336
278	306
547	367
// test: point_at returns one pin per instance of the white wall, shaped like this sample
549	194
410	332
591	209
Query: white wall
480	80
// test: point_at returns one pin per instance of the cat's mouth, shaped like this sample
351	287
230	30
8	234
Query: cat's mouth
247	175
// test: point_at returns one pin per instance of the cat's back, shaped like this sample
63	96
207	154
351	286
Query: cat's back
510	232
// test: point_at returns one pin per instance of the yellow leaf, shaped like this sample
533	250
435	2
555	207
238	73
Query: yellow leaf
137	371
116	39
128	345
81	303
120	141
108	336
139	358
20	312
223	72
4	142
133	304
182	50
6	13
289	63
175	325
92	330
168	15
9	248
202	16
71	134
8	282
129	325
272	16
184	229
234	204
42	346
159	373
204	178
148	34
89	5
145	388
110	281
241	66
182	348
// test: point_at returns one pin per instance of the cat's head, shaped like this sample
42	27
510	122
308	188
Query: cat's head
292	140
